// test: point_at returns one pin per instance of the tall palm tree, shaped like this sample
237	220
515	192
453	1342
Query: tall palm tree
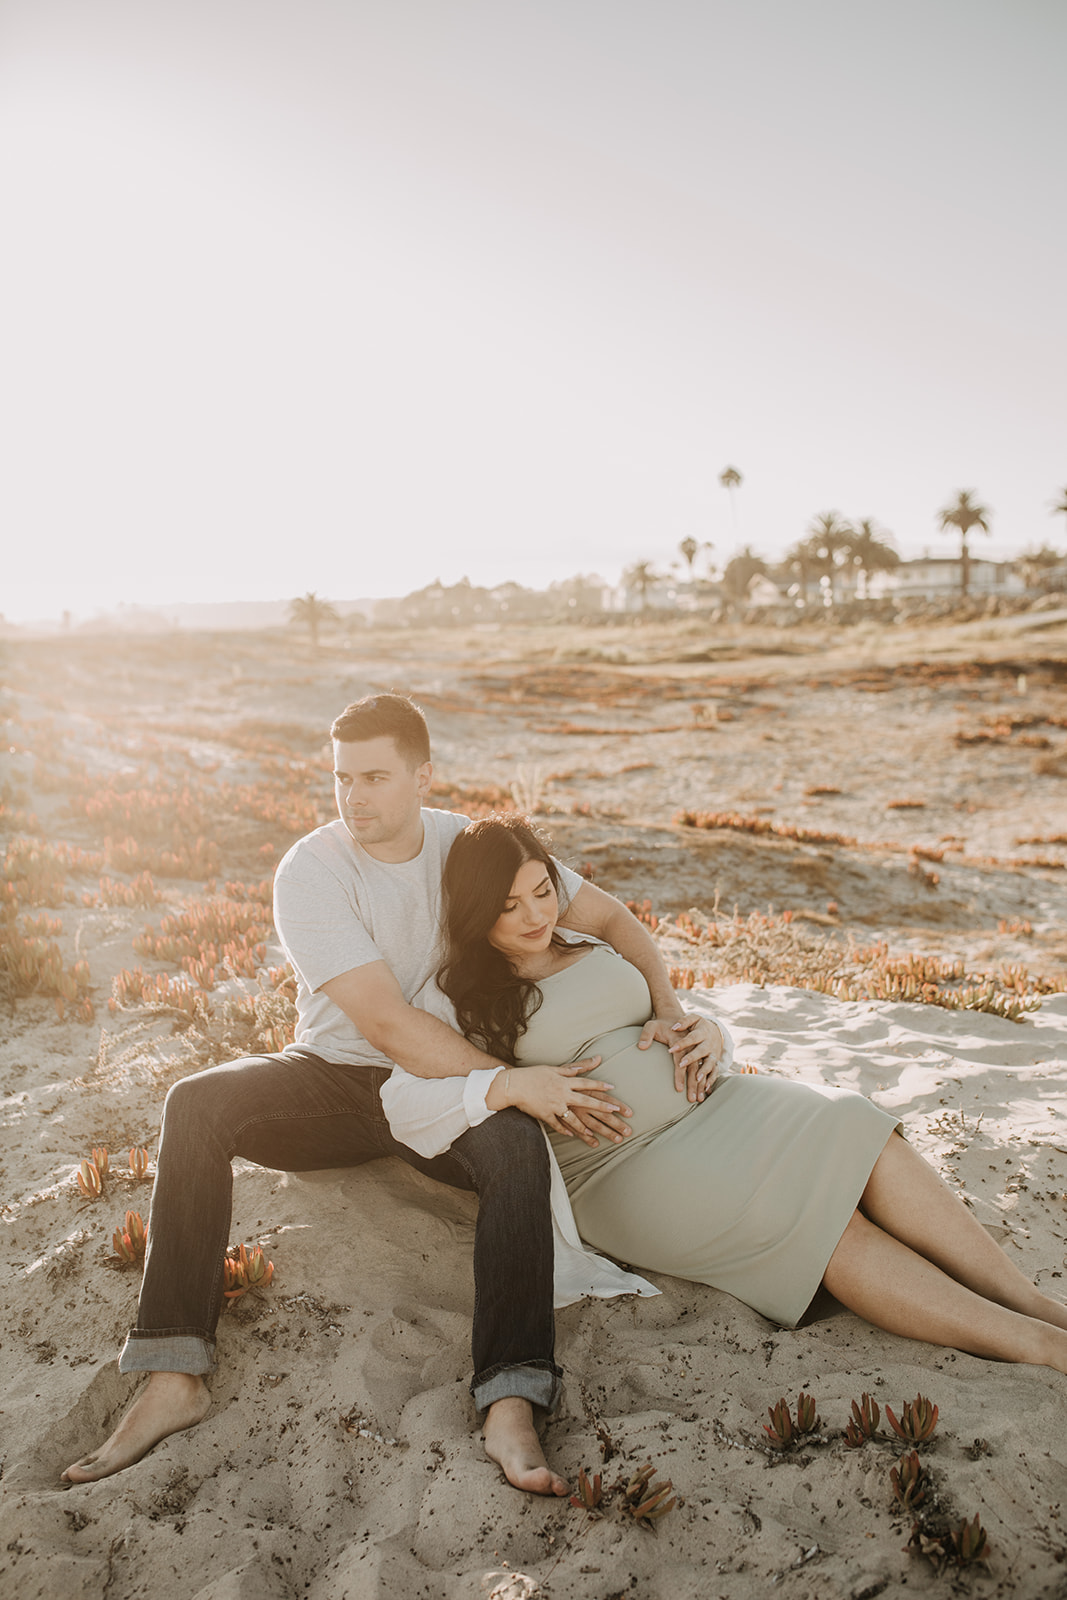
312	613
870	551
964	515
731	480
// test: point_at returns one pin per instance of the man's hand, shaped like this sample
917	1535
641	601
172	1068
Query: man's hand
697	1045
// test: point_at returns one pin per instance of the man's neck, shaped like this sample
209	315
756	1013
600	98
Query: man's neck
405	847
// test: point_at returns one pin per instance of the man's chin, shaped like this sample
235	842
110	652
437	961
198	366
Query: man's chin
363	832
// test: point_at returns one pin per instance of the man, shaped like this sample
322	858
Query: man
356	910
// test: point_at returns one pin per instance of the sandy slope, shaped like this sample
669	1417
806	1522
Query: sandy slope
369	1318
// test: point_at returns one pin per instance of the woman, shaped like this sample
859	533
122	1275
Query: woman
766	1188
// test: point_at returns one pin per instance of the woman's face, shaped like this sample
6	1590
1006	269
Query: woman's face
530	913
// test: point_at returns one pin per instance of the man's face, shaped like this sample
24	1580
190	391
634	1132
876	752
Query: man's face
378	797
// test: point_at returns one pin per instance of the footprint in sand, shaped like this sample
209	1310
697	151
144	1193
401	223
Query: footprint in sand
84	1426
413	1350
410	1334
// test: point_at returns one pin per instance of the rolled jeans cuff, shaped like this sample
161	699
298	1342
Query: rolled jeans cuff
542	1386
167	1352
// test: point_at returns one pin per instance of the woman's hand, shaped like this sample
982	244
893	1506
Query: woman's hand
563	1099
697	1045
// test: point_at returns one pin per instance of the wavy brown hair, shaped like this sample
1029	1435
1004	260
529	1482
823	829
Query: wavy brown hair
493	1003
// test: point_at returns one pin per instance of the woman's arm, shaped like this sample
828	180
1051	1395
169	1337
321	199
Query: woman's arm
698	1045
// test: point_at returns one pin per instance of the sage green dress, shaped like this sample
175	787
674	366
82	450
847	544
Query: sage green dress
749	1190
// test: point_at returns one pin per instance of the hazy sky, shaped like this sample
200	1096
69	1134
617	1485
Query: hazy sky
347	295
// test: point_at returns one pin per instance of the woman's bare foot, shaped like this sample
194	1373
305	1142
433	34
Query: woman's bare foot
169	1402
511	1441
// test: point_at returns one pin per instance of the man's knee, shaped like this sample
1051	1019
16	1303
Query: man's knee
211	1098
507	1142
188	1104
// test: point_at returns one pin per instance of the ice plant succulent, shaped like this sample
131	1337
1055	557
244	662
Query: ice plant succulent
918	1419
647	1501
910	1480
243	1270
780	1434
807	1417
89	1180
138	1163
864	1423
971	1542
590	1491
129	1242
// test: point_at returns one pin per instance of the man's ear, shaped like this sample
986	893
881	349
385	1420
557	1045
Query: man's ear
424	777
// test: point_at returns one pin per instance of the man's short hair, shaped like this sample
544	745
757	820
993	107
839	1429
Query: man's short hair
386	716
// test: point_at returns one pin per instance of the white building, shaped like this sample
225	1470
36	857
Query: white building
938	578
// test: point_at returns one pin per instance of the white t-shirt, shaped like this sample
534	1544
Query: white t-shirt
336	908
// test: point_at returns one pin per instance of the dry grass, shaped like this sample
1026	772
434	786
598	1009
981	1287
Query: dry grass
781	948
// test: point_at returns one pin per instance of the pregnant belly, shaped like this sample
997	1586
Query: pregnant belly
642	1079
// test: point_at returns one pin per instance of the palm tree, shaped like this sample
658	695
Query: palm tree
640	577
964	515
798	560
1059	507
689	548
825	548
869	550
731	479
739	573
312	613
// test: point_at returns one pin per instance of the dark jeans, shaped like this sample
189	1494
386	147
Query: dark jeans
298	1113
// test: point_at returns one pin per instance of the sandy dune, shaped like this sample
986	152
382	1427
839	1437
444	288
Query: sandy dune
341	1456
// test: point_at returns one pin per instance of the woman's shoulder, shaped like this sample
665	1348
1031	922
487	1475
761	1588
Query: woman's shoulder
570	936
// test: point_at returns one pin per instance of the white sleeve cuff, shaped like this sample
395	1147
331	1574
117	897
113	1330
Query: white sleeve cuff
475	1089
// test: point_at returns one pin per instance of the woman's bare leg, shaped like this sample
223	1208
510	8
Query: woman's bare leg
908	1200
891	1286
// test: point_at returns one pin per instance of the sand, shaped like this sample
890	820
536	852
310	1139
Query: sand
341	1455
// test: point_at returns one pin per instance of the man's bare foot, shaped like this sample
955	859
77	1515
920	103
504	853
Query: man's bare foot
169	1402
511	1441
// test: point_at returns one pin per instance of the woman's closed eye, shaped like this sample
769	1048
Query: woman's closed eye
539	894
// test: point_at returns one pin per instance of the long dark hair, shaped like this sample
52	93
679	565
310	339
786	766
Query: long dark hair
493	1003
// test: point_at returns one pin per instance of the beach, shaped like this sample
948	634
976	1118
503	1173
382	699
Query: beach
821	828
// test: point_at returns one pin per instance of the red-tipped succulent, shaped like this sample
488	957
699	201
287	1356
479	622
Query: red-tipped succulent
130	1241
864	1423
808	1419
971	1542
910	1480
590	1491
918	1419
647	1501
781	1433
245	1269
89	1180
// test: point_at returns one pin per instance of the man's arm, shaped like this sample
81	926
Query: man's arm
420	1043
426	1047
